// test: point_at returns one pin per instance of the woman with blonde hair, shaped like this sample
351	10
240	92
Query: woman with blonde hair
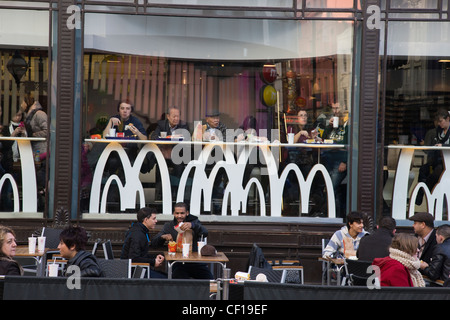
8	266
401	267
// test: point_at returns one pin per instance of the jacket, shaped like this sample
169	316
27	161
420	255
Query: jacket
392	273
428	250
9	267
163	126
439	266
169	227
335	247
87	263
375	245
36	125
137	244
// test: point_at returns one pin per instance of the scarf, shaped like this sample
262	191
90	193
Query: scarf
411	263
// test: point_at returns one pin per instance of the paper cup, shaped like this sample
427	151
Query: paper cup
335	122
52	269
32	244
186	250
112	132
291	138
200	245
163	134
41	244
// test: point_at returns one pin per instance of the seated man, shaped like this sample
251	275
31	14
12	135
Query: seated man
71	247
345	241
169	233
376	245
214	129
137	242
439	266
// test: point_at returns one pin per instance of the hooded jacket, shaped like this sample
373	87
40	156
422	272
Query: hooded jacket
335	247
137	244
87	263
393	273
169	228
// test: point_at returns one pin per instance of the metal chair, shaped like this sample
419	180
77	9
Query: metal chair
356	272
274	276
107	250
116	268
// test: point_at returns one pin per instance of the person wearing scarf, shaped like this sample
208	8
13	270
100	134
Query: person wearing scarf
401	267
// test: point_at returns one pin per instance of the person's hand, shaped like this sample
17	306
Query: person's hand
114	121
159	260
167	237
186	226
423	264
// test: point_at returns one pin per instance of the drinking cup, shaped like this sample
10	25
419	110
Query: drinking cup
186	247
41	244
200	245
291	138
32	244
52	269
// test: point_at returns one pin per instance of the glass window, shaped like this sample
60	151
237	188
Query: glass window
262	72
23	110
417	106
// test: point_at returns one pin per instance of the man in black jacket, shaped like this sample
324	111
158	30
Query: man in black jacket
424	229
439	266
137	242
169	233
376	245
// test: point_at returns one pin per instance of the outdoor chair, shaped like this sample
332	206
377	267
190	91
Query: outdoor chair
107	250
356	272
274	276
116	268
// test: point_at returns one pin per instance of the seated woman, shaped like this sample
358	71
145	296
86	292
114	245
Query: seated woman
71	247
8	245
400	269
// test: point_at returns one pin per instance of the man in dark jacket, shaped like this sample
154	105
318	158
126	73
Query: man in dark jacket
137	242
424	229
71	247
439	266
376	245
169	233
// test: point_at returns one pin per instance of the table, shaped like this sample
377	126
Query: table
220	258
22	251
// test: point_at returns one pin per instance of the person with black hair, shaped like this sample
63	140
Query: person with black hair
424	229
439	266
345	241
190	223
137	242
376	245
72	247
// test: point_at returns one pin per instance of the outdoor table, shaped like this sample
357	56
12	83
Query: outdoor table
330	262
22	251
220	258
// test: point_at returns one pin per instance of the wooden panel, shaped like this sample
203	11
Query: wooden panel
64	111
367	156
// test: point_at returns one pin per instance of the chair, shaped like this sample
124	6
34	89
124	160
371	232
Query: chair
116	268
140	265
294	271
356	272
107	250
95	247
274	276
139	272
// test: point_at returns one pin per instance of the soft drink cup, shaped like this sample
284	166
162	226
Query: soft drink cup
112	132
52	269
291	138
186	247
200	245
335	122
41	244
32	244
